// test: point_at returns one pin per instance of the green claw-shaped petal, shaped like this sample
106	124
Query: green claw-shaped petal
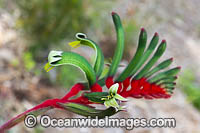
110	101
113	89
99	58
58	58
114	103
54	56
119	97
106	103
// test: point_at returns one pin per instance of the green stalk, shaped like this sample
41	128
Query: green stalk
99	57
120	45
139	52
101	82
75	60
147	53
169	85
159	67
159	52
166	80
88	111
169	73
96	96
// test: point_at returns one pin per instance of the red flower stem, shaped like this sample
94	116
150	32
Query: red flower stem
50	103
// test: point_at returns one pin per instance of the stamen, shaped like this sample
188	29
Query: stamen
75	44
48	67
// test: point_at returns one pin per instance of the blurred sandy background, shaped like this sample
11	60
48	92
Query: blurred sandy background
30	29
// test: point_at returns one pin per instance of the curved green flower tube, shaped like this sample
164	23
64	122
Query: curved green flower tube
89	111
57	58
138	55
120	45
159	52
99	57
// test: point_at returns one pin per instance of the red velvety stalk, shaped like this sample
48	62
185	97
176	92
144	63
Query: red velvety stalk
139	88
96	88
52	103
74	90
109	82
48	104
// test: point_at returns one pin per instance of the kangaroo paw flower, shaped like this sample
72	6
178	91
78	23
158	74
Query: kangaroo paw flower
144	79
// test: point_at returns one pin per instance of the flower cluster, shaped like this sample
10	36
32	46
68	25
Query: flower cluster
138	80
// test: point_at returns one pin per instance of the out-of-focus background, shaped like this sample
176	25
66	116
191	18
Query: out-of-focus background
30	29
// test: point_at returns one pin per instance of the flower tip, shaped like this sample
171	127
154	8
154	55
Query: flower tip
176	77
126	100
174	83
178	67
171	59
142	29
164	41
116	86
122	108
113	13
156	34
